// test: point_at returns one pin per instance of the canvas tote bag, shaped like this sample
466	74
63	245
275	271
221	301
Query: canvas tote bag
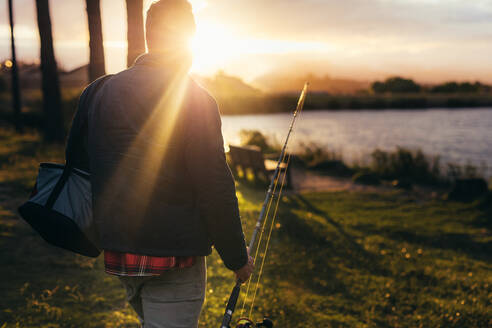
60	205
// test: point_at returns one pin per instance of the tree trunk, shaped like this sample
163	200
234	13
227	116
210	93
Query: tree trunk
135	32
16	100
52	107
96	62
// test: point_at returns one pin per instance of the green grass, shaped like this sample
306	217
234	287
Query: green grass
335	260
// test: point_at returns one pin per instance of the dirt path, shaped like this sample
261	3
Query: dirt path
310	181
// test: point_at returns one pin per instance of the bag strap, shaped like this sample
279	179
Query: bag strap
58	187
75	134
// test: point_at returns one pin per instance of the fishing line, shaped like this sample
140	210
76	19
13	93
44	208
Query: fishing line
274	217
272	222
262	218
245	298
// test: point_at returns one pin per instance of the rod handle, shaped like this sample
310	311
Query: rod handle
231	305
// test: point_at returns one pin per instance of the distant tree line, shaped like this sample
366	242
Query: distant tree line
401	85
464	87
395	85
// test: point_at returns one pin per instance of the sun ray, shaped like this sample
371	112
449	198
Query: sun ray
155	133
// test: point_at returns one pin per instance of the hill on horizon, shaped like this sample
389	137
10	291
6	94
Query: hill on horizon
224	85
282	83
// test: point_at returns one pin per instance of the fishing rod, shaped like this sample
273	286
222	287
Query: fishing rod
231	304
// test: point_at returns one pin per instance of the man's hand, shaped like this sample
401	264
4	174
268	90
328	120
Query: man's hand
246	271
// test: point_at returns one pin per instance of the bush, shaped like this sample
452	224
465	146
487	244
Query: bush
468	189
467	171
412	166
485	203
333	167
316	157
256	138
312	154
366	178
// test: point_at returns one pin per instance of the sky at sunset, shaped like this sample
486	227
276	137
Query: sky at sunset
429	40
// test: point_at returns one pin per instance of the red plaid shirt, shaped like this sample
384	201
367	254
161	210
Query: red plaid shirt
126	264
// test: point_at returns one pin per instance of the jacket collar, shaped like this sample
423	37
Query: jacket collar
173	61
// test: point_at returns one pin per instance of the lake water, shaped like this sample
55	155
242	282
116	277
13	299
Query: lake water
458	136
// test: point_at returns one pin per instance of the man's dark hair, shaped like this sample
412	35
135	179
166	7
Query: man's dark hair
169	21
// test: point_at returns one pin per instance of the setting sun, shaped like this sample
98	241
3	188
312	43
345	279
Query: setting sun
211	46
214	47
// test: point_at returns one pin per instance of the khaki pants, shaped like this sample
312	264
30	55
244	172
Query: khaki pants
171	300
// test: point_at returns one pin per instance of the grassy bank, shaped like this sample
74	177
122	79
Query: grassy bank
336	260
403	167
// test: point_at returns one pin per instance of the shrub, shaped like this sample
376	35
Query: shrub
256	138
413	166
467	171
468	189
312	154
316	157
366	178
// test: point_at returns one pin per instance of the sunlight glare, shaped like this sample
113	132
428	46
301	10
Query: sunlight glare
214	46
156	133
211	47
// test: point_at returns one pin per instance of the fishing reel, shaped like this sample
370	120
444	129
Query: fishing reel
247	323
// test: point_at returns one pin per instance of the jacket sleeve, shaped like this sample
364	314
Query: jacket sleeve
214	184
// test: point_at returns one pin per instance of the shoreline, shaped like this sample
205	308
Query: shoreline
416	109
281	103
